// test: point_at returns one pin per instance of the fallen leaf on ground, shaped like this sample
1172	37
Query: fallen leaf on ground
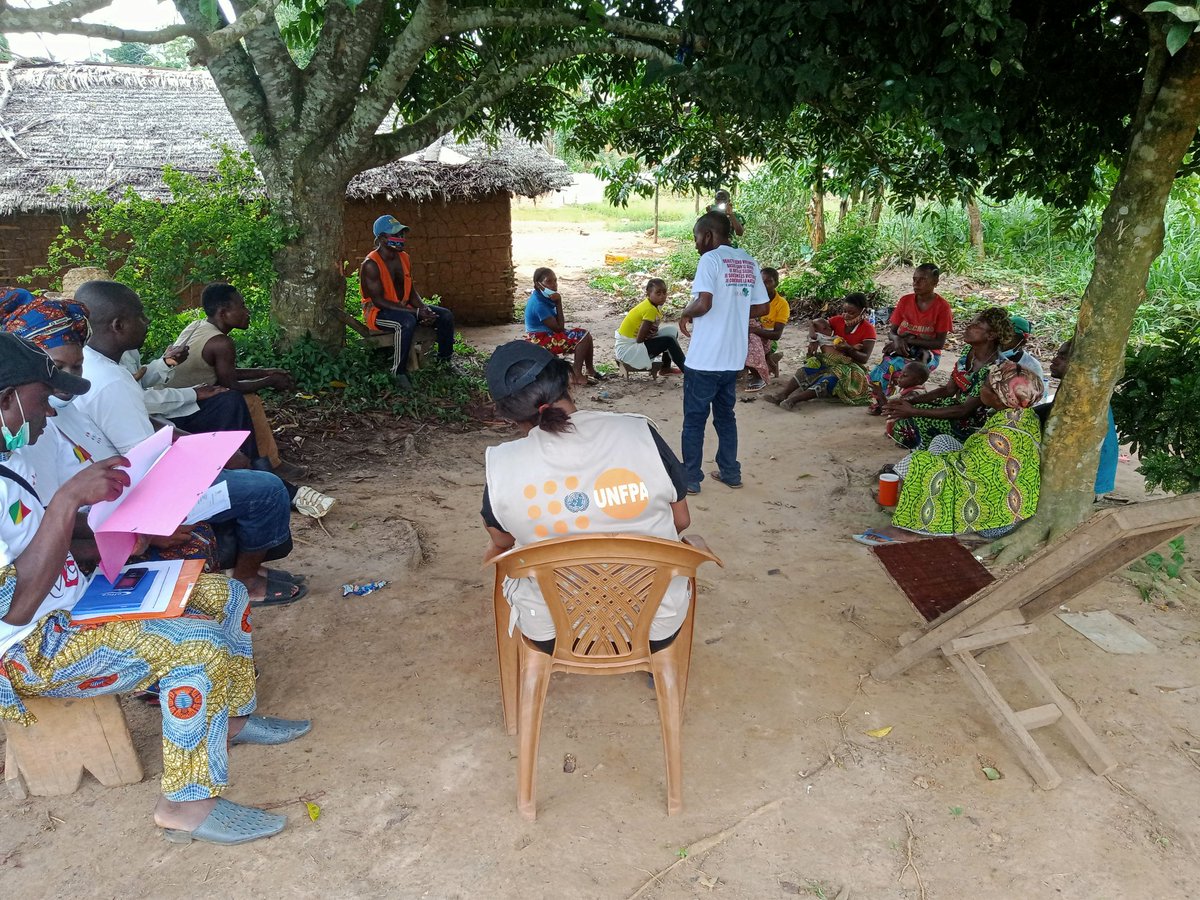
314	811
880	732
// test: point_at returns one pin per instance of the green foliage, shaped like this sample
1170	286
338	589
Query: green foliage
682	262
5	50
220	229
1155	410
776	201
1185	20
171	55
846	262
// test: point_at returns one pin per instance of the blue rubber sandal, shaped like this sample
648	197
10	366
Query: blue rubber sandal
230	823
269	730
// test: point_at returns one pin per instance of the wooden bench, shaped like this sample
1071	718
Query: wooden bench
1001	613
48	759
384	340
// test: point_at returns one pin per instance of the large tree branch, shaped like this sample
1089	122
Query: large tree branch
238	83
63	18
278	74
249	20
406	54
487	90
339	64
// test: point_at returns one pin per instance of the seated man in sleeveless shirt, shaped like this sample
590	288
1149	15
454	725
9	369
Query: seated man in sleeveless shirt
390	299
211	359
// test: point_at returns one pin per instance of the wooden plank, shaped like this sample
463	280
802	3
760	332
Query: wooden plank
1039	716
1018	739
1060	571
1089	746
987	639
1001	620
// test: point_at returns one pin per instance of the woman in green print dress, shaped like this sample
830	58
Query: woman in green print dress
988	484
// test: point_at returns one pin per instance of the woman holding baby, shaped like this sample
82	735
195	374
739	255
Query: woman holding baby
838	349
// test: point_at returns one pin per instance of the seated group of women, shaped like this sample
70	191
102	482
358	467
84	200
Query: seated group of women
975	442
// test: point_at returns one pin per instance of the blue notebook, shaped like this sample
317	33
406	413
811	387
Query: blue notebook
161	593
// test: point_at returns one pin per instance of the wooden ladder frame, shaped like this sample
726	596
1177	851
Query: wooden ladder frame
1004	613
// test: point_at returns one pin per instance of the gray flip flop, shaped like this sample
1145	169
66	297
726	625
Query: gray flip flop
230	823
269	730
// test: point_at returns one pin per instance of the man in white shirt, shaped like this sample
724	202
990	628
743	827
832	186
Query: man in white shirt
727	292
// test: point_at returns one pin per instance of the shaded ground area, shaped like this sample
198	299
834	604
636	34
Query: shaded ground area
785	794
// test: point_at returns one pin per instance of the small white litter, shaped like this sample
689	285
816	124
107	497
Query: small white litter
1108	632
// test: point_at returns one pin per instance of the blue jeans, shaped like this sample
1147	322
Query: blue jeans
406	323
702	391
258	507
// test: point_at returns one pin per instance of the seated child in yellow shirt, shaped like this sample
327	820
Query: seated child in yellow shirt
642	336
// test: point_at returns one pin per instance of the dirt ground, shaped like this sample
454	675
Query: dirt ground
785	794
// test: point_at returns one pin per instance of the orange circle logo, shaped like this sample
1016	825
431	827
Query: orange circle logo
620	494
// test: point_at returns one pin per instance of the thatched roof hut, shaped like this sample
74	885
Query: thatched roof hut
105	128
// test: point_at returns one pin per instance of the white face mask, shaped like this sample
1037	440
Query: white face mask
21	438
59	403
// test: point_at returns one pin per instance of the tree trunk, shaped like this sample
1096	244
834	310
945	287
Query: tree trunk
877	207
976	227
311	287
818	206
1130	238
656	212
843	210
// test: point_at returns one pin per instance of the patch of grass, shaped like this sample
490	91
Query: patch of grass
673	211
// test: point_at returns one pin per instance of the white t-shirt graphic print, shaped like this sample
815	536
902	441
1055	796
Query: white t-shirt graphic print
720	336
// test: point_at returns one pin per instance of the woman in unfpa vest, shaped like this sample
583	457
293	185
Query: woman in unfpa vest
575	472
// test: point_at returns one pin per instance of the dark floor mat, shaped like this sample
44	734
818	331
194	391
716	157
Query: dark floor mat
935	574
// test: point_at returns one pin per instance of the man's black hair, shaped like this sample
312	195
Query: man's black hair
217	296
107	301
715	222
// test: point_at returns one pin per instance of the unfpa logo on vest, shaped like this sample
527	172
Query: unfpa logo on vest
621	494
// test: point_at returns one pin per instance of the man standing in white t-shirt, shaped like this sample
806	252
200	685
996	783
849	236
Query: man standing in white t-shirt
727	292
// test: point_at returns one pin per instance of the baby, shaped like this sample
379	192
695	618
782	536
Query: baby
910	381
820	334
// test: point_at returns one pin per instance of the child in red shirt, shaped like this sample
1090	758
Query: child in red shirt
919	325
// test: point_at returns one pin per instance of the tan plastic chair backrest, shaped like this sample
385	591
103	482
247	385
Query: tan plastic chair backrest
603	590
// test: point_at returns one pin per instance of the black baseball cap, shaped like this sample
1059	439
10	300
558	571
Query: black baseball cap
23	362
514	366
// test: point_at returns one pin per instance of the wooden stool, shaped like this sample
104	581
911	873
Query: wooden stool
48	759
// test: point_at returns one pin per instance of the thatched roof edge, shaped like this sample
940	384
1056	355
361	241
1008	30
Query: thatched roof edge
106	127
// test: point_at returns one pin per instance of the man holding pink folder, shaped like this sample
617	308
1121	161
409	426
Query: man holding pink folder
202	660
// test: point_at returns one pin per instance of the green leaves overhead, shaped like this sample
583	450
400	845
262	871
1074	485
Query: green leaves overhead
1187	21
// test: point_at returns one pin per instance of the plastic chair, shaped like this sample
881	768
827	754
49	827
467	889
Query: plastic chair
602	592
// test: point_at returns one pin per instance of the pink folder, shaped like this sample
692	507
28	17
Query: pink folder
166	481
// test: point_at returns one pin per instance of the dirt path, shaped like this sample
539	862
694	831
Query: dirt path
416	778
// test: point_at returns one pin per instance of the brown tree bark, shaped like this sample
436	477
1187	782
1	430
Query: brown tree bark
818	205
976	227
1130	239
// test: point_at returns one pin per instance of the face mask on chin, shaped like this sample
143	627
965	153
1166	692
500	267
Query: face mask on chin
21	438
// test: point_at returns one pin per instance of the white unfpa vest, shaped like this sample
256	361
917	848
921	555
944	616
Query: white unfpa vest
606	476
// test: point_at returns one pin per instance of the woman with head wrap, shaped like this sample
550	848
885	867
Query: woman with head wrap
955	408
988	484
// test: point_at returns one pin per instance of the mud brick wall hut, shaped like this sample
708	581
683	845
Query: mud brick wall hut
105	128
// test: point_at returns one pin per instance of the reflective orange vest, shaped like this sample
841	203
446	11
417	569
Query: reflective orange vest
370	310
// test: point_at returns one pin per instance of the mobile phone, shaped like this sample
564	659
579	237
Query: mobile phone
129	578
721	207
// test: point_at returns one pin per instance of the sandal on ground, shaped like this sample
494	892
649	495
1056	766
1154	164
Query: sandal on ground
230	823
287	576
312	503
873	538
693	488
756	385
716	476
270	730
874	410
280	592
